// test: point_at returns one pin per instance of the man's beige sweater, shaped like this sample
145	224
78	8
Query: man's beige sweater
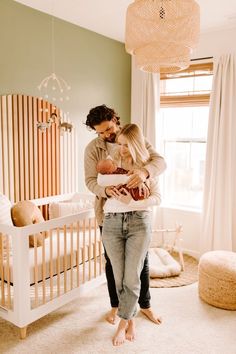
97	150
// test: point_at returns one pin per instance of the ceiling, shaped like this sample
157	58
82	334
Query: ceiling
107	17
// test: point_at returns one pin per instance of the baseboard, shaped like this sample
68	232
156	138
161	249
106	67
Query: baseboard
192	253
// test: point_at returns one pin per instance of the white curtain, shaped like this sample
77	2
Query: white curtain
219	206
145	102
145	105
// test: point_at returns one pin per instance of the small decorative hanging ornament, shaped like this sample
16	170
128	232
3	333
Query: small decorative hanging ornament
53	87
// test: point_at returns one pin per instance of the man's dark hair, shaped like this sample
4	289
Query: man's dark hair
100	114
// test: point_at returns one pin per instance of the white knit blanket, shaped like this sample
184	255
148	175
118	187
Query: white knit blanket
162	264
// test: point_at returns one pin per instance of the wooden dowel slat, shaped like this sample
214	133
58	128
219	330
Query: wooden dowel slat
58	263
78	254
35	271
51	264
65	260
43	271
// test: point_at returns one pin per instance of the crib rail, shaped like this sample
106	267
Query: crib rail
71	254
5	286
66	262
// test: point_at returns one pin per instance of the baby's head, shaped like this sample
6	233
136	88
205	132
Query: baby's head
106	166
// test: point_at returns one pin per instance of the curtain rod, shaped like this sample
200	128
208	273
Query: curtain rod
201	58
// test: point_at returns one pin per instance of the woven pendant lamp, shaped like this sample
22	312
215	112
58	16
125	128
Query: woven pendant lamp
166	58
161	34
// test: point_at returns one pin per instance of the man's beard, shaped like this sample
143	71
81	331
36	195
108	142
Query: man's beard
111	139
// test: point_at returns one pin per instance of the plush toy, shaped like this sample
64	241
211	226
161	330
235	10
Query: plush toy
26	213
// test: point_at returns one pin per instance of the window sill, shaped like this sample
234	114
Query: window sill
181	207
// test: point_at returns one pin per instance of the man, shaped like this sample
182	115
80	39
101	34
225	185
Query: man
106	123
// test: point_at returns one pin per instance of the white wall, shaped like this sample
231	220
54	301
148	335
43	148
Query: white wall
211	44
215	44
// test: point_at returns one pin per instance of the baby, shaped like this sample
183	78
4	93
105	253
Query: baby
109	167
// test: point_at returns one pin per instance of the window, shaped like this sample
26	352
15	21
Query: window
182	133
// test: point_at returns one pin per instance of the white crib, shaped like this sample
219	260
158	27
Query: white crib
35	281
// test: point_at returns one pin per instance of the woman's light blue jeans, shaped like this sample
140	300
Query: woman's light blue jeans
126	237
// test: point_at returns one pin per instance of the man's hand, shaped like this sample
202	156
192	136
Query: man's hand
137	176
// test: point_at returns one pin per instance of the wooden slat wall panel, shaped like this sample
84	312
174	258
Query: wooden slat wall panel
35	146
1	156
16	156
5	162
31	147
29	158
21	149
26	146
49	156
40	150
57	153
10	147
69	159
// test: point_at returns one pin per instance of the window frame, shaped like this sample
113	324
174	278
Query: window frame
188	100
194	70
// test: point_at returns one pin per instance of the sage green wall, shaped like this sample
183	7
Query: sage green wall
96	67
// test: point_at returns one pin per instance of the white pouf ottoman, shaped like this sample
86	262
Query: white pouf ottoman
217	279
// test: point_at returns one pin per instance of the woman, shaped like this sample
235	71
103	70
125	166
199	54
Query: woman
127	230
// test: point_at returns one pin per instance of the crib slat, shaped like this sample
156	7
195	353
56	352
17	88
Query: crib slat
78	254
84	250
43	271
65	260
89	250
2	270
71	256
51	265
95	248
8	274
58	263
100	257
36	298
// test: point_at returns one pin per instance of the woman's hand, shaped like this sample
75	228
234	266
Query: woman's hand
137	176
124	196
112	191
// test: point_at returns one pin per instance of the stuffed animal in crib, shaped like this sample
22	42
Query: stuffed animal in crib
26	213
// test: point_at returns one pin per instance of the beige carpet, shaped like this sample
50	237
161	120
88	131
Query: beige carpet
189	327
188	276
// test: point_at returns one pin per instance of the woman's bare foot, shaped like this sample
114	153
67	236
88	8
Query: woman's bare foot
130	331
119	336
151	315
111	317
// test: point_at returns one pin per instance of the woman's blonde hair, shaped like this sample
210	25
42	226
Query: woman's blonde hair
136	143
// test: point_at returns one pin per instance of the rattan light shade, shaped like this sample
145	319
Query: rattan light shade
162	33
166	58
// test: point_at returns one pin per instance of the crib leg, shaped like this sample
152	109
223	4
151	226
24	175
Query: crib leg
23	332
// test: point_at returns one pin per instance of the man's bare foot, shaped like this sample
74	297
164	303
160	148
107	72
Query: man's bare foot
151	315
111	317
130	331
119	336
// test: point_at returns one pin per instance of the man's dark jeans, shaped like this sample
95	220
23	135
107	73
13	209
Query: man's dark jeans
144	296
